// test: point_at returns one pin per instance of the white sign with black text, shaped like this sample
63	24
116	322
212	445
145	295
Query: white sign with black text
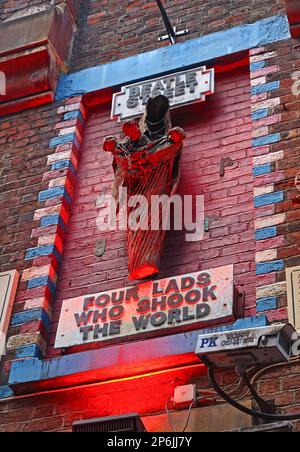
151	308
182	88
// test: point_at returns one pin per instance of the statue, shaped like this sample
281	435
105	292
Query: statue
147	162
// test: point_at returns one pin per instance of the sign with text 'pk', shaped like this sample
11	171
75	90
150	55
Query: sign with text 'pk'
182	88
149	309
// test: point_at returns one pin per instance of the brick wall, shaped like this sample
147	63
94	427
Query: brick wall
276	140
30	322
24	149
282	384
29	168
220	128
111	29
12	8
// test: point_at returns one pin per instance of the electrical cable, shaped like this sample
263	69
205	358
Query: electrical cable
262	404
231	389
242	408
169	416
188	417
273	366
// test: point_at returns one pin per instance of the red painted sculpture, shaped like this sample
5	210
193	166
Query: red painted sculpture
147	163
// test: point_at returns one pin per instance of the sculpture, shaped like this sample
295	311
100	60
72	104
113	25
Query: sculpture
147	162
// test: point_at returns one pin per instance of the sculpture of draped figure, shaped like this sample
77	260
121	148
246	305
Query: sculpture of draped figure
147	162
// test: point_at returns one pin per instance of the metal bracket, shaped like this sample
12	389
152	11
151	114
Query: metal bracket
172	31
176	34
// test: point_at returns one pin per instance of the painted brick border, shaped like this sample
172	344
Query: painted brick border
41	278
266	196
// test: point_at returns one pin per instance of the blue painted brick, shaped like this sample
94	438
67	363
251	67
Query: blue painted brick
42	281
67	197
257	66
63	139
241	324
50	220
269	267
267	304
6	392
265	88
46	320
53	220
25	317
29	351
268	199
74	115
262	169
29	316
268	139
260	114
52	193
39	251
265	233
52	287
63	164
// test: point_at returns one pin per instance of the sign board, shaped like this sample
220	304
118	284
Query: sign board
256	346
152	308
8	288
181	88
293	286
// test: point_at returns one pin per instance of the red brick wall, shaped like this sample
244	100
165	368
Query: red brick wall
9	8
24	147
219	128
111	29
58	410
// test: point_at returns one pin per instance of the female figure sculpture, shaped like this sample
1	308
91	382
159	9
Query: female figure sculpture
147	163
